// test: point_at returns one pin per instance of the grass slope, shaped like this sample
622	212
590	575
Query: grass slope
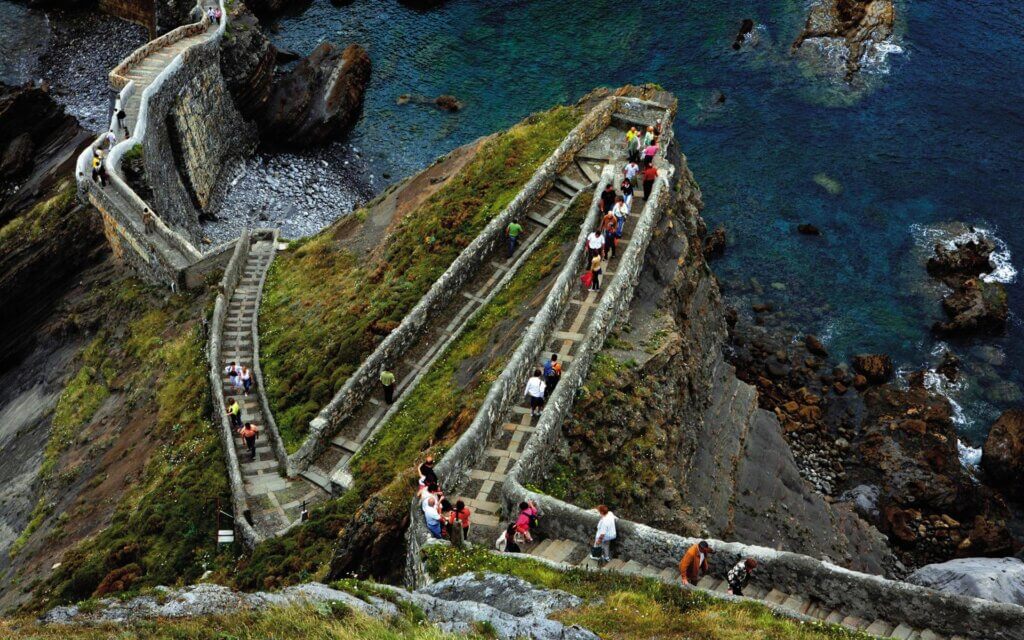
433	416
321	622
149	354
324	310
627	607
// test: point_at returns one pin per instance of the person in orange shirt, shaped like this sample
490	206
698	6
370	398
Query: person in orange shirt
459	519
695	562
609	223
248	433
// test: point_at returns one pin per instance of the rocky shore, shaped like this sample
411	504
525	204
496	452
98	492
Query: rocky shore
854	25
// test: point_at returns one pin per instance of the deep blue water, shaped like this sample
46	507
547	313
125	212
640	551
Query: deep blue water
934	135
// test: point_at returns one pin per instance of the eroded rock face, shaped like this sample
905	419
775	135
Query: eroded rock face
1003	454
507	593
856	23
963	261
318	100
876	368
996	579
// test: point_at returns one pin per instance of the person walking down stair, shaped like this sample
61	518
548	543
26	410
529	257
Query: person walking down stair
387	381
740	575
633	144
427	475
552	374
234	411
605	532
695	562
513	230
609	224
245	377
527	519
535	392
650	175
248	433
595	273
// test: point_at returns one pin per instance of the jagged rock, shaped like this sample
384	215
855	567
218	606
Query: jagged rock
974	307
876	368
16	160
950	366
996	579
808	229
247	61
268	9
1002	455
745	27
858	23
504	592
964	260
319	99
714	244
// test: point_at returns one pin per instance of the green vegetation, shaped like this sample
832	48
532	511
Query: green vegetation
150	353
41	219
633	608
322	621
434	415
325	308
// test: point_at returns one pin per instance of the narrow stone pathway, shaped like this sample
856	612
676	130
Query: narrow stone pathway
330	470
275	501
482	494
576	554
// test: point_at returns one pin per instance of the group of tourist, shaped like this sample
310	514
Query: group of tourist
241	381
542	383
214	14
444	520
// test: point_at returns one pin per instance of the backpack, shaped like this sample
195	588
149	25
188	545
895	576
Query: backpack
549	369
534	521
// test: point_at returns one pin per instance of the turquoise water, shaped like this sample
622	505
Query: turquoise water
931	135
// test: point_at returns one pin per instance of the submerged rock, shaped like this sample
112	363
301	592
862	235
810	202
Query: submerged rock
996	579
808	229
319	99
1002	455
714	243
745	27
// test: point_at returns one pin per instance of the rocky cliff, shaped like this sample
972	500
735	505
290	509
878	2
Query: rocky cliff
667	435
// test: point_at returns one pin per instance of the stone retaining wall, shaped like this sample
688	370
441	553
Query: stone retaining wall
261	390
239	502
465	266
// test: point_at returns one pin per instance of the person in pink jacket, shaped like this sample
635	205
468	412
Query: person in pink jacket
527	514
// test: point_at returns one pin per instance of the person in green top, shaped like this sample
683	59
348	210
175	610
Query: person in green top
387	379
513	230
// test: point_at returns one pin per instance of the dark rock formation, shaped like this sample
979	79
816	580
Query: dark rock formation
814	346
447	103
877	368
974	307
247	61
444	102
745	27
173	13
421	5
950	366
269	9
372	543
319	99
858	23
808	229
714	243
1003	453
996	579
964	261
36	137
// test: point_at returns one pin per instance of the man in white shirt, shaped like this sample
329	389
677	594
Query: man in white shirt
605	532
535	392
595	243
431	516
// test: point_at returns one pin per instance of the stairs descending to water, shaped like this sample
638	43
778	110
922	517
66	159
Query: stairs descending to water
275	502
575	554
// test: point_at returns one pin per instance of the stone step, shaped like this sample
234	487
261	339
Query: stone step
776	597
539	219
485	519
901	632
560	550
565	189
670	573
853	622
708	582
632	567
317	479
797	603
345	443
616	564
259	465
542	547
572	184
879	628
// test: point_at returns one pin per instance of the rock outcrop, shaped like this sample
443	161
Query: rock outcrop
996	579
511	608
856	23
876	368
974	307
962	261
319	99
1003	454
247	60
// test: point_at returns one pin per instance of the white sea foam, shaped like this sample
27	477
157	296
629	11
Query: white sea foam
1000	260
970	457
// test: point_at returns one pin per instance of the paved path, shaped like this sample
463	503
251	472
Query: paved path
330	469
577	554
275	501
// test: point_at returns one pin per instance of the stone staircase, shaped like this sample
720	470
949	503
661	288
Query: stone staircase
330	470
482	494
275	501
576	554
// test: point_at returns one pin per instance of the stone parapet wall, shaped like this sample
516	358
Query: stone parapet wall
118	77
269	423
465	266
232	274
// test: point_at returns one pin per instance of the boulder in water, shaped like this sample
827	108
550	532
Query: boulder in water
877	368
966	259
745	27
714	244
808	229
995	579
319	99
856	23
975	307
